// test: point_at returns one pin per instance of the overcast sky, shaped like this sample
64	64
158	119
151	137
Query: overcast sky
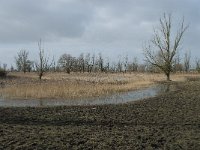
112	27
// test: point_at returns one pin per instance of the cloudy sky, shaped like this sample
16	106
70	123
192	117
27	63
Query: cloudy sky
112	27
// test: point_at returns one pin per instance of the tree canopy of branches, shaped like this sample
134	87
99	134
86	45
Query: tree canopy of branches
22	61
43	64
187	61
197	65
66	62
163	47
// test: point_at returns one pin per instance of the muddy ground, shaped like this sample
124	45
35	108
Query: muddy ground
169	121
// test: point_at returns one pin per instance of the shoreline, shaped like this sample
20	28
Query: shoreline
64	86
116	98
169	121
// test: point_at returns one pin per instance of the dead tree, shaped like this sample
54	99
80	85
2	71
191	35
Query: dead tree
87	62
100	63
22	61
133	66
162	49
197	65
81	62
43	64
66	62
187	61
126	63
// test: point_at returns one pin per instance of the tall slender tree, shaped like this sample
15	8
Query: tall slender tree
43	64
187	61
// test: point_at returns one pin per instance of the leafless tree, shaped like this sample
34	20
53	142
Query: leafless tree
81	62
187	61
162	49
22	62
43	64
126	63
53	67
101	62
107	65
133	66
119	66
197	65
92	66
87	62
12	68
177	65
66	62
5	67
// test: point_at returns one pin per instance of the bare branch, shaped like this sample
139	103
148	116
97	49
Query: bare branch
161	51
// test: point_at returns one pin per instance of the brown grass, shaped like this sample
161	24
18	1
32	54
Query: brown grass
78	85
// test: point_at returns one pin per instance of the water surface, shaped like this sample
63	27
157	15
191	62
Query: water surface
111	99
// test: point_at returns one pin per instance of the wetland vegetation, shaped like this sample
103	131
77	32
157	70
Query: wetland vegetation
168	121
78	85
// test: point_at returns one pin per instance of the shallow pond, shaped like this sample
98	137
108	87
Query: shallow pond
111	99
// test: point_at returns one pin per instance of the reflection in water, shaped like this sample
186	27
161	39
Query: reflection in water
112	99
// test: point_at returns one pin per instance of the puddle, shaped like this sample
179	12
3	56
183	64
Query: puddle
112	99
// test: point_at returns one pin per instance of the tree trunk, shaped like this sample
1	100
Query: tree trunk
68	70
168	76
40	76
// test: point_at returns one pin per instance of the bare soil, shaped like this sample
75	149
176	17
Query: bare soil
169	121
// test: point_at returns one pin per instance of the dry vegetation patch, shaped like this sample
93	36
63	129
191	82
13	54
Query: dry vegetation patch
77	85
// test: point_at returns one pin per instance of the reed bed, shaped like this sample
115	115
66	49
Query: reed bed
78	85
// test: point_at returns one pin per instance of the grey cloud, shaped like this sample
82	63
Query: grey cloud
106	20
26	20
111	25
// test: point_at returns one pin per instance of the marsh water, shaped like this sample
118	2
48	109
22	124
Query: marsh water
118	98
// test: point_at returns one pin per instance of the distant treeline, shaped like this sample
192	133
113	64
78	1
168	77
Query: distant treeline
94	63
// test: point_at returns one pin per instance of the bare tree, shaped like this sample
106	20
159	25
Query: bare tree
87	62
5	67
81	62
187	61
30	65
119	66
133	66
126	63
197	65
162	49
177	65
22	61
43	64
107	65
66	62
92	66
53	67
101	62
12	68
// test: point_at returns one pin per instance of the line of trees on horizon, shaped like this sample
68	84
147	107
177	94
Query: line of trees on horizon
93	63
97	63
161	55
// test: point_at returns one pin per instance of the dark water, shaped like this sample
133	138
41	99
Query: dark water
112	99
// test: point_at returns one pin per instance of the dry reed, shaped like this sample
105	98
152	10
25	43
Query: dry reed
77	85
